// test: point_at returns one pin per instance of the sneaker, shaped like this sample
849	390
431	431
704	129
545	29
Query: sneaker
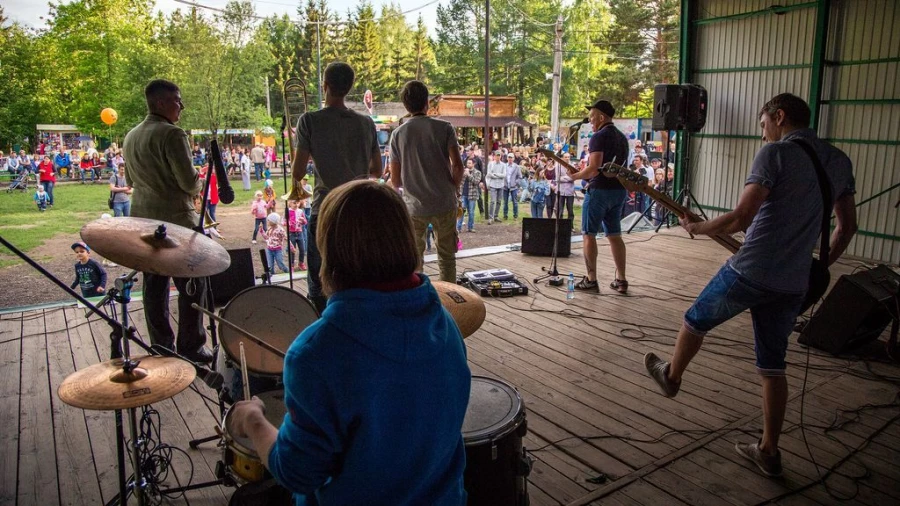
252	242
587	285
770	465
302	266
471	230
490	221
659	371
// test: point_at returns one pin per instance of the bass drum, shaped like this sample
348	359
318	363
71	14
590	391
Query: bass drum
272	313
496	463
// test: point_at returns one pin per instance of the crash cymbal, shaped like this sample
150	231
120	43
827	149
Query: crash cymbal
107	386
464	305
156	247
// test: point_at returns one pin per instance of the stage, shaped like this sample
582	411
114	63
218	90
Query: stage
598	429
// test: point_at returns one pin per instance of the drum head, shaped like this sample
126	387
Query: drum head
493	411
275	411
274	314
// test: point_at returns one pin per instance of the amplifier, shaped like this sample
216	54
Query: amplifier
498	288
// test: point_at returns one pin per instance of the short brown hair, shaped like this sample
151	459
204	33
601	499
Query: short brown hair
340	77
365	236
157	89
795	109
414	96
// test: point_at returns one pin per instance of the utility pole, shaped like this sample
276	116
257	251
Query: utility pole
557	77
268	98
319	60
488	141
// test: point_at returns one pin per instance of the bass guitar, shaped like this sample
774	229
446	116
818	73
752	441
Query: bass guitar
632	181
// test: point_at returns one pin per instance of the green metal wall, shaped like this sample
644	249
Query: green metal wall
842	57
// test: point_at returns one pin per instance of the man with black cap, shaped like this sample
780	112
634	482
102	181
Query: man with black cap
604	197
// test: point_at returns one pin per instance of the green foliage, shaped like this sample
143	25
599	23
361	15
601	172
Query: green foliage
101	53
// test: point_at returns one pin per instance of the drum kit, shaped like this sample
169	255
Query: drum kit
276	313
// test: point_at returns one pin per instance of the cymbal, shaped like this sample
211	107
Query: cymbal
106	385
465	306
177	251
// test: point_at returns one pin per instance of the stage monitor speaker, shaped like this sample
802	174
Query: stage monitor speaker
537	237
237	277
679	107
855	312
668	107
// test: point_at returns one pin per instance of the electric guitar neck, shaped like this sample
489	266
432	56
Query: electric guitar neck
632	181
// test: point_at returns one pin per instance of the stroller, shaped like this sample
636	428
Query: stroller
20	183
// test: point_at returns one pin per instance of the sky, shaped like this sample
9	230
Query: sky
29	12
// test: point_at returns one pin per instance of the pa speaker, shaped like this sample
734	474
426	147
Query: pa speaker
679	107
668	106
855	312
237	277
537	236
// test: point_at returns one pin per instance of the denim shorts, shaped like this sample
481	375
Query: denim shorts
603	209
773	315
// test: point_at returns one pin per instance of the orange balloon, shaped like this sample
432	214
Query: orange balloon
109	116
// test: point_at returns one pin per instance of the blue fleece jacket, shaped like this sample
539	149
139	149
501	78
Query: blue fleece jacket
376	391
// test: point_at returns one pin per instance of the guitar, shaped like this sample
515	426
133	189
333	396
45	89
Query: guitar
632	181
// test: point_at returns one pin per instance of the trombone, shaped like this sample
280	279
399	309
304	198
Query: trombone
295	105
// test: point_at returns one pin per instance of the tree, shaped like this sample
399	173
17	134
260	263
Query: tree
364	49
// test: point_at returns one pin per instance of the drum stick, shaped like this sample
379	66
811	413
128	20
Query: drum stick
239	330
244	375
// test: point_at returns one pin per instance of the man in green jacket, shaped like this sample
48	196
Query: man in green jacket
160	168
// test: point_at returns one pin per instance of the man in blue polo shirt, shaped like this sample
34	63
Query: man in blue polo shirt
603	198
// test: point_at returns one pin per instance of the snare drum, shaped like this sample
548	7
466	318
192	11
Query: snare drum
496	464
240	457
272	313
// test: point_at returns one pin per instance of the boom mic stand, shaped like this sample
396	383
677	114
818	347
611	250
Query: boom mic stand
552	272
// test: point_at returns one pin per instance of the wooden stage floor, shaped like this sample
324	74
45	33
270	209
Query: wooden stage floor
599	431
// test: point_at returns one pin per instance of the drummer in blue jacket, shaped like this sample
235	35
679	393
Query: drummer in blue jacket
376	390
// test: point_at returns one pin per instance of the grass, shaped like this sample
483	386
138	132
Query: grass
74	205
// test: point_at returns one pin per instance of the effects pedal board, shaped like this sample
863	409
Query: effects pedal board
498	288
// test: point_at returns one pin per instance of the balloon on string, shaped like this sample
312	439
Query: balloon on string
109	116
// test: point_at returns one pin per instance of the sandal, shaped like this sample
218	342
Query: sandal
619	285
587	285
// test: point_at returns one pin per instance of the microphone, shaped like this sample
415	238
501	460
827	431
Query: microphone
585	121
212	379
226	192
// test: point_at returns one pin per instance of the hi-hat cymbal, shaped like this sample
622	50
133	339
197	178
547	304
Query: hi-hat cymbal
141	244
106	385
464	305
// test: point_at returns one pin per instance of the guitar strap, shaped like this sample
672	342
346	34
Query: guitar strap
825	188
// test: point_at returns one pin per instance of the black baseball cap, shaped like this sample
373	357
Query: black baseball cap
80	245
603	106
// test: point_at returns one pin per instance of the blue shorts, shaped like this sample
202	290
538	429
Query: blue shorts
773	314
603	208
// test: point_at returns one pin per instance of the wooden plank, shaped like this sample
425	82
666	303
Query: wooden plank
38	482
100	425
73	448
546	474
643	492
10	372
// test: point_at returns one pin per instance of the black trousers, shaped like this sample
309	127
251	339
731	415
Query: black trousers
191	335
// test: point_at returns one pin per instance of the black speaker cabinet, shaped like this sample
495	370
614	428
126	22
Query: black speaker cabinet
237	277
668	106
537	237
854	312
679	107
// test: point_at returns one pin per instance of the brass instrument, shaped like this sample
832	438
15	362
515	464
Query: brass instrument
295	105
208	221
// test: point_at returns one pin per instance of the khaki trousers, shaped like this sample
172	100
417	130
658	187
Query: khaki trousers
445	239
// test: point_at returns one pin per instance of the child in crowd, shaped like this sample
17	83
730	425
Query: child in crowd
41	199
540	189
88	273
269	196
86	165
258	208
275	238
296	222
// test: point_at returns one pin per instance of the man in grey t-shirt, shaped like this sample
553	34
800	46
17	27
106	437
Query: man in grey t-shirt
344	146
781	210
427	169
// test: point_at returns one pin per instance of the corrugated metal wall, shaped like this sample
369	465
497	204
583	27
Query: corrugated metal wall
744	53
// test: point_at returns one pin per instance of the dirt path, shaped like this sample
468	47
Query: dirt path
22	285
